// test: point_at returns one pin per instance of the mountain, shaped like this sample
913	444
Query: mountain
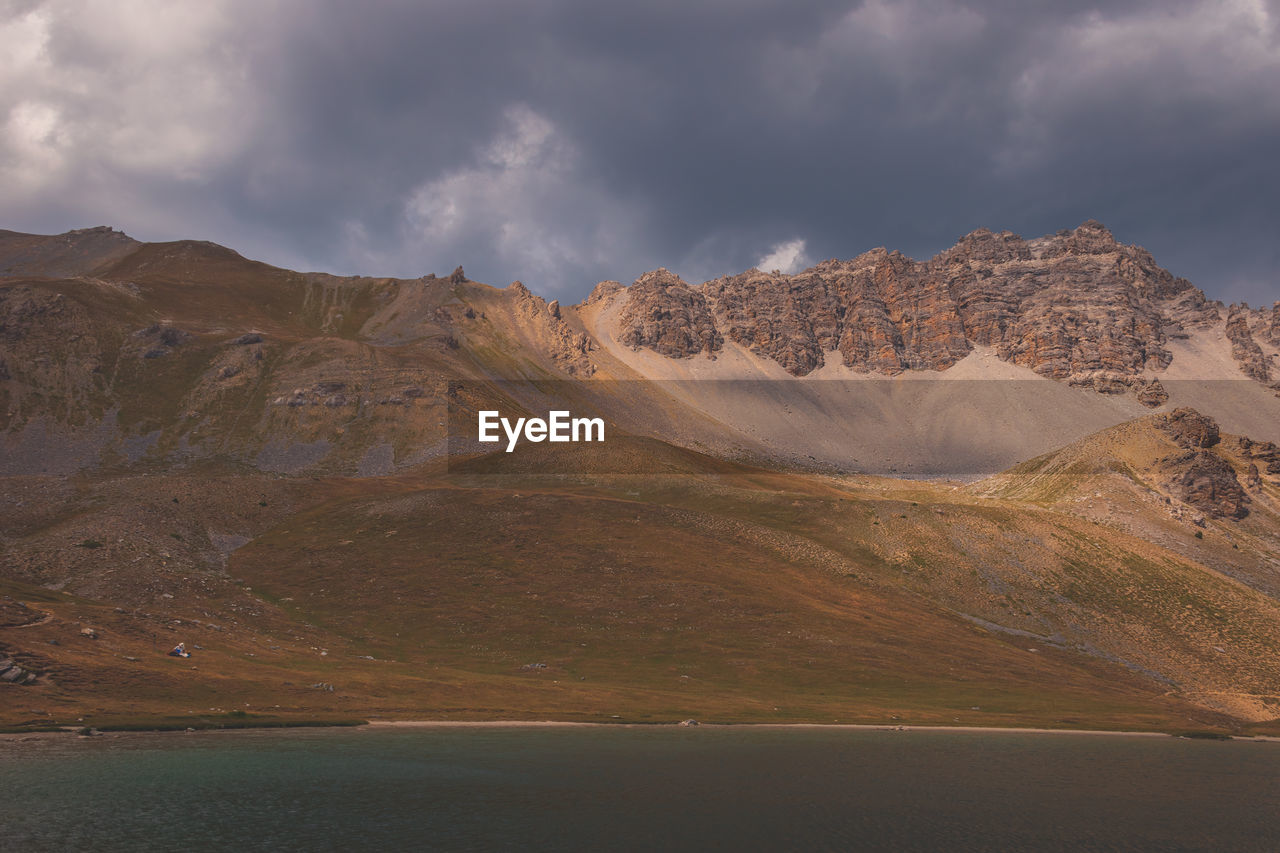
117	352
1025	482
1075	306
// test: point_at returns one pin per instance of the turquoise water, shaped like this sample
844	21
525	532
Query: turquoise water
642	788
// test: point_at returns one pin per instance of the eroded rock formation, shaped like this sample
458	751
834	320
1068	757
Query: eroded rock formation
1197	475
1075	306
1244	349
1190	429
1153	395
666	315
1205	481
568	347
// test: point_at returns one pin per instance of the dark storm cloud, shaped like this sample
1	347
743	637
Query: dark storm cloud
566	142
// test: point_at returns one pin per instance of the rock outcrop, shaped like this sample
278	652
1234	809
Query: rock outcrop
569	348
666	315
1264	454
1188	428
12	673
603	291
1205	481
1244	349
1075	306
1153	395
1197	475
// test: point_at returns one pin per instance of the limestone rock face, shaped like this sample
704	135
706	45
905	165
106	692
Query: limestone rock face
569	348
1189	428
1244	349
791	321
666	315
1075	306
1070	305
1205	481
882	312
1153	395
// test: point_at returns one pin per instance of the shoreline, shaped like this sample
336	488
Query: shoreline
880	727
386	725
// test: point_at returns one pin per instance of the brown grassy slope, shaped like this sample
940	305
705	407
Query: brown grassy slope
1115	478
821	598
638	606
186	349
1046	575
59	255
620	595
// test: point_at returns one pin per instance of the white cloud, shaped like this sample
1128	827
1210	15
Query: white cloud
525	201
895	43
1146	65
97	97
788	257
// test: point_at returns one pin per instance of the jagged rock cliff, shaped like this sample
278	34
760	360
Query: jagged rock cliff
881	312
1201	473
666	315
1244	348
1076	306
568	348
114	351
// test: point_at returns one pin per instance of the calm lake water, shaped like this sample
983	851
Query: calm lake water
642	788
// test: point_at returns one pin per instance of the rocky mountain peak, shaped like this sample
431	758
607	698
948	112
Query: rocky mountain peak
659	278
1076	306
1089	238
73	253
664	314
603	291
986	246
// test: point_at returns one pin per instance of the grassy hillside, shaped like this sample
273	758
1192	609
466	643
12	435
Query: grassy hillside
279	469
747	596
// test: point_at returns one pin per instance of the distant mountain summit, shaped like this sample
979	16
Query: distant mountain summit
73	253
117	352
1076	306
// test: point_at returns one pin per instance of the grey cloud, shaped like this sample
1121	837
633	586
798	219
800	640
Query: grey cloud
365	138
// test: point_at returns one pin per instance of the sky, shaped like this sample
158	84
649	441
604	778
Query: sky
564	142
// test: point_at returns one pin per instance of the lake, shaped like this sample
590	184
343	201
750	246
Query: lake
637	788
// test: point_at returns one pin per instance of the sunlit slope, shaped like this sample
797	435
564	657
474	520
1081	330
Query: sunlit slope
724	594
625	603
1173	480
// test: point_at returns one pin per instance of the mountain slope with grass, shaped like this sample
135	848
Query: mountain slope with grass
280	470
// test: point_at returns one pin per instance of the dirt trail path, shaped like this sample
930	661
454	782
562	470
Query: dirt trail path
41	621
